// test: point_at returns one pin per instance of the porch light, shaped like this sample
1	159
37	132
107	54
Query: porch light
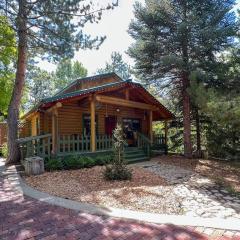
118	110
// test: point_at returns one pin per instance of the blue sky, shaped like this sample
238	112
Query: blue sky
114	25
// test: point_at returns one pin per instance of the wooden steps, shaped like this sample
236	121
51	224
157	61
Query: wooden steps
134	154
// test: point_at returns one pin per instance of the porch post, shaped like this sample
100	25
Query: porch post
93	130
150	126
54	131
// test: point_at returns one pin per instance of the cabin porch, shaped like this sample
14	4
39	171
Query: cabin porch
84	126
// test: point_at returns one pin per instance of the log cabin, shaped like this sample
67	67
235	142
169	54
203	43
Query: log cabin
82	116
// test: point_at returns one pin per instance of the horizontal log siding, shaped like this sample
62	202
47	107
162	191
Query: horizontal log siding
70	117
45	123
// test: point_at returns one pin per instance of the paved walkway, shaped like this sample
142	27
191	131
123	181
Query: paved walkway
198	196
22	217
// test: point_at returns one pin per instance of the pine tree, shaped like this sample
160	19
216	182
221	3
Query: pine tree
67	71
53	30
175	38
116	65
39	84
219	106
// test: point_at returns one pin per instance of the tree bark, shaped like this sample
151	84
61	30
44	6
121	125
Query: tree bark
13	109
198	133
185	86
186	119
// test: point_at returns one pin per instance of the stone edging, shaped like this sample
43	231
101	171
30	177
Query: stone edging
218	223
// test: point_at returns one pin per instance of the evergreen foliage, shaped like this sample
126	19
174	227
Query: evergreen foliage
8	55
39	84
67	71
116	65
176	39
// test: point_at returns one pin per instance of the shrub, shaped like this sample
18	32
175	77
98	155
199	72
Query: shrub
102	160
76	162
118	169
4	150
54	164
113	173
88	161
72	162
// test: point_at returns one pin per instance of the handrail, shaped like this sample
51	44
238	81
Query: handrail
27	139
144	143
35	146
144	137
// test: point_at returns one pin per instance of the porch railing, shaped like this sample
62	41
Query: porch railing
159	143
77	143
159	139
104	142
35	146
144	143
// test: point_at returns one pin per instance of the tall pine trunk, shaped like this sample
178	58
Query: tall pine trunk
198	133
13	109
185	86
186	117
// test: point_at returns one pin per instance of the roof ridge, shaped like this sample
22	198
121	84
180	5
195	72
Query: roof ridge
87	79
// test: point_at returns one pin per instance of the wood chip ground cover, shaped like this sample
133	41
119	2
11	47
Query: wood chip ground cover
145	192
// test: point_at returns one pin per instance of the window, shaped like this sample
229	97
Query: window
87	124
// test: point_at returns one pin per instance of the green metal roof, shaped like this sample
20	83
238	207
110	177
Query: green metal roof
84	91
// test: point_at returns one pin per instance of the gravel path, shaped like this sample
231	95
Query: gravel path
199	195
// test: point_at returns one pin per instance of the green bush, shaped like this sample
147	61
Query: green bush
113	173
102	160
89	161
72	162
4	150
54	164
77	162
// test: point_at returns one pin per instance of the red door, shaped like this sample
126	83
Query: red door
110	124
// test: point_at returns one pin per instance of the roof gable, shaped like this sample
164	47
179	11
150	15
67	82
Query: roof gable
90	82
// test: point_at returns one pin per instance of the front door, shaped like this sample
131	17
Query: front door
130	127
110	124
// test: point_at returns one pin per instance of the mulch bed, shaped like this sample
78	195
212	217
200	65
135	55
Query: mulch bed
145	192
